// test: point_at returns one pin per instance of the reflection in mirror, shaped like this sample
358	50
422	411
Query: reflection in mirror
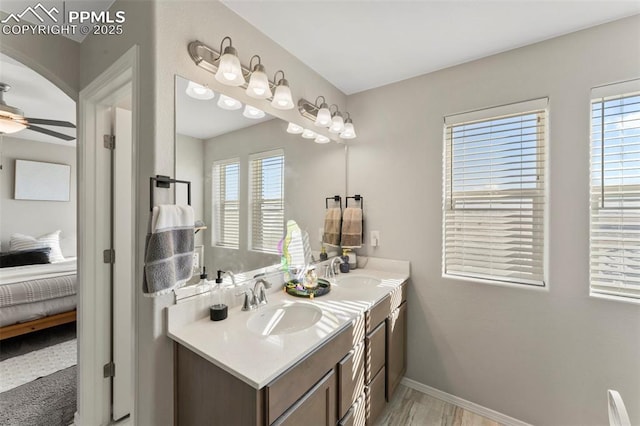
249	177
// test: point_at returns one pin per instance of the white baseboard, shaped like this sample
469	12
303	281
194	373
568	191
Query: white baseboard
467	405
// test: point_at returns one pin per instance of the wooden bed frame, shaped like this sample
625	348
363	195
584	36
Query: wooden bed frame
35	325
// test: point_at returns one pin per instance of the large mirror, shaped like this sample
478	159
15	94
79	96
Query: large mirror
248	177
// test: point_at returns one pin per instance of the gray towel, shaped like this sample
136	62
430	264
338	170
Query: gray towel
168	262
351	228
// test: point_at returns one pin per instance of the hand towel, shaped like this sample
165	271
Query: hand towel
332	220
169	249
352	228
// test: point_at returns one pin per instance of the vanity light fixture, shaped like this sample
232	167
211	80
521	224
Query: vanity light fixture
309	134
349	131
337	122
282	97
322	139
259	87
229	103
198	91
252	112
229	68
294	129
323	118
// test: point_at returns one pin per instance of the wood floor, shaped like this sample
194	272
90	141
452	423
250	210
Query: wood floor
411	407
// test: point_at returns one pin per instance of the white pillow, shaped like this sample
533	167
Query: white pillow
26	242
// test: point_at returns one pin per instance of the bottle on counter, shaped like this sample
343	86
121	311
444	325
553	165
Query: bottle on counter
218	309
344	265
323	253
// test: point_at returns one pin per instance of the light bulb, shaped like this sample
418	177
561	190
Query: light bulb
337	124
282	97
229	69
309	134
229	103
252	112
349	132
323	119
294	129
258	87
322	139
198	91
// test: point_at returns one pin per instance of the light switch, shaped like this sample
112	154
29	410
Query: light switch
375	238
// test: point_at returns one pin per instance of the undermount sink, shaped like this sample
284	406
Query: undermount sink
357	281
284	319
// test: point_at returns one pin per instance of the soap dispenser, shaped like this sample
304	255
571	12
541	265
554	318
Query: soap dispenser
323	253
203	285
344	265
218	309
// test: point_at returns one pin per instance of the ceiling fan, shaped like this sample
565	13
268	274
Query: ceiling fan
12	120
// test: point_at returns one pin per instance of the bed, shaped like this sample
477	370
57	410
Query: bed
35	297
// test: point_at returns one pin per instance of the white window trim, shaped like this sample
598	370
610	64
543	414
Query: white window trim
252	157
516	108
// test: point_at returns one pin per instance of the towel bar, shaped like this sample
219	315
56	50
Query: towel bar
165	182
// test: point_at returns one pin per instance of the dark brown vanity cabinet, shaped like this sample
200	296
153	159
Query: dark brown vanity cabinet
347	381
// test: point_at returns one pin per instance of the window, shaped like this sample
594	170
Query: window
494	195
266	199
226	203
615	192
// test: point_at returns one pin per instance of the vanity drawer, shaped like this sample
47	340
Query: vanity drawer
357	414
350	378
375	351
284	391
375	396
377	314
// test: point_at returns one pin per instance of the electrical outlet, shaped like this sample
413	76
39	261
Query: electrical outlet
196	261
375	238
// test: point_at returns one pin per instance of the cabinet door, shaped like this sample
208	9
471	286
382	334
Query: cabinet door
316	408
396	348
375	398
375	350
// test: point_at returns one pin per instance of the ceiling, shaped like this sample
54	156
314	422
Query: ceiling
360	45
205	119
37	97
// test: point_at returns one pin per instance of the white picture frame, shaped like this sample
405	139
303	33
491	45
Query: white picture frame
36	180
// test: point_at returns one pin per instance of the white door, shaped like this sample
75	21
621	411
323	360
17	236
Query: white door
123	271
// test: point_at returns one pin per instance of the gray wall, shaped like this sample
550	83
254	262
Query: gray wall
545	357
36	217
312	173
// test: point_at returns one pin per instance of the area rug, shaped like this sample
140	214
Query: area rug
25	368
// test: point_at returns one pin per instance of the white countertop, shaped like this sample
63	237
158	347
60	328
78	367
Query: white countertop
256	359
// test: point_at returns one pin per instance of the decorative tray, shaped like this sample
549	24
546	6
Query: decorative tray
295	288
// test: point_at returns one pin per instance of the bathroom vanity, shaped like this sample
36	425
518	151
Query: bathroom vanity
342	369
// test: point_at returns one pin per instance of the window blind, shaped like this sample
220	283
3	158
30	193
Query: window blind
494	197
226	203
267	200
615	196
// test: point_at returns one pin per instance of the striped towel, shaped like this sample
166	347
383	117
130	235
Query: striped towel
332	220
169	249
352	228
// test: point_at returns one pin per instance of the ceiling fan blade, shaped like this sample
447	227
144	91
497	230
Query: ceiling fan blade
50	133
50	122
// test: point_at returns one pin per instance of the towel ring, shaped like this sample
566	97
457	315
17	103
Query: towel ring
336	198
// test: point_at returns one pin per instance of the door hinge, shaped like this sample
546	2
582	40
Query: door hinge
109	256
109	370
110	141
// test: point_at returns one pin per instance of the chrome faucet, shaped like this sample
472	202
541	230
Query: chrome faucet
259	291
332	266
256	296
